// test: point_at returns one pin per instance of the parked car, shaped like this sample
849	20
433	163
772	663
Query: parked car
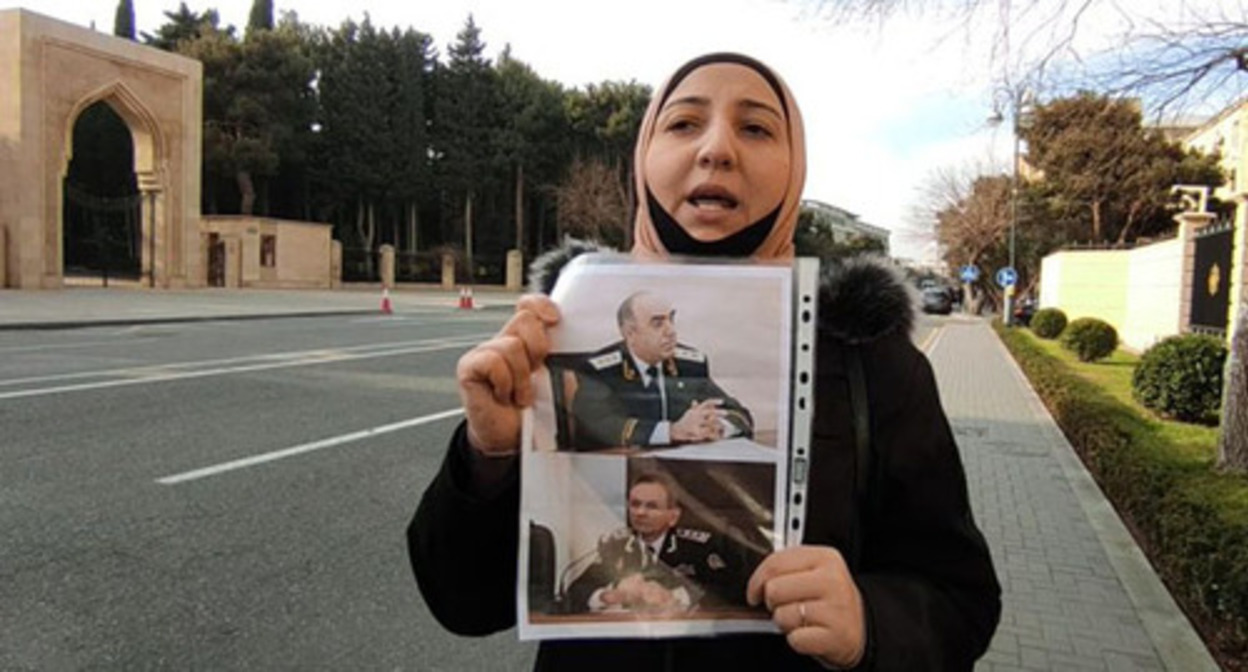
1023	310
937	300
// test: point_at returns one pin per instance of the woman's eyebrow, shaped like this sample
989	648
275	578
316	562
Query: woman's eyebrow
752	104
700	101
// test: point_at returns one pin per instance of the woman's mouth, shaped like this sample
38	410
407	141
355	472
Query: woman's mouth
710	197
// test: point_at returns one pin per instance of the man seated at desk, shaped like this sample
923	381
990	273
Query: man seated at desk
650	390
654	566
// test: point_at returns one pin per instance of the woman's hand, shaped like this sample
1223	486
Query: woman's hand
494	377
814	600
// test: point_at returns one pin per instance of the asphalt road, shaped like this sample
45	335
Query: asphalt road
229	495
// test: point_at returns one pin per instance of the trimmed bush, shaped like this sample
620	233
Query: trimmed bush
1048	323
1190	520
1181	378
1090	339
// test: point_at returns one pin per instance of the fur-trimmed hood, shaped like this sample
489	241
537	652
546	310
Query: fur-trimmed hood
860	299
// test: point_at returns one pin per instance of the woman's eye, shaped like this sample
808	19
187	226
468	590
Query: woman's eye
681	125
758	130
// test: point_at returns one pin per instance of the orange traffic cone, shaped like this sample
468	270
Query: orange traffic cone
466	304
386	308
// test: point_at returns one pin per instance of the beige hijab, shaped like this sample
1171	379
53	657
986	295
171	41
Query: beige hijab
779	242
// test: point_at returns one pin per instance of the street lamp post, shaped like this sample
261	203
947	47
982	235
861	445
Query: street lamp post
1009	291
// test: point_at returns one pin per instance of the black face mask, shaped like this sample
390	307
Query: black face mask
676	241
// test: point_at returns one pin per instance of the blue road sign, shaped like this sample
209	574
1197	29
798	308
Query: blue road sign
970	273
1007	277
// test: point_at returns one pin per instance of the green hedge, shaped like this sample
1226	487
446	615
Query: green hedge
1191	521
1090	339
1181	377
1048	322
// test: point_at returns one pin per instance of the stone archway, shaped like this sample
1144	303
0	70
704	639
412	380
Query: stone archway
146	148
62	70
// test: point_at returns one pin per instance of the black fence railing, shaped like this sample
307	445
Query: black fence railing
360	265
421	267
364	265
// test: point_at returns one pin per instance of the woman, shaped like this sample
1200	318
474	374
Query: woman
893	575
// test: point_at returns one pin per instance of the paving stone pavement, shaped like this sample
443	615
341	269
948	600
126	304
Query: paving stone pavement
1068	602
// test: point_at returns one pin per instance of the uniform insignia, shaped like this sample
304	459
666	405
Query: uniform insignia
626	434
603	361
689	354
715	562
697	536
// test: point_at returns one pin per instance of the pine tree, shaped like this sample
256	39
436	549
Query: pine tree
123	20
466	125
261	16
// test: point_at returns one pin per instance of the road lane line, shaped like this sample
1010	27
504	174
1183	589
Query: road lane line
305	448
292	356
932	340
323	357
67	346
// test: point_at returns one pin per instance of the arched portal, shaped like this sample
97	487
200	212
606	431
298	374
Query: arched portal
113	196
57	74
101	212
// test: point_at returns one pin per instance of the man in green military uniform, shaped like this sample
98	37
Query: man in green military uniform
655	566
650	390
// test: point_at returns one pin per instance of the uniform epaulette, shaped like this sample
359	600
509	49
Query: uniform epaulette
697	536
689	354
603	361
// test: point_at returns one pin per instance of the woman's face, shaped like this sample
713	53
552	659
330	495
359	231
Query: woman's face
719	158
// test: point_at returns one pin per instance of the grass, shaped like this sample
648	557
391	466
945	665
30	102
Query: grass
1194	445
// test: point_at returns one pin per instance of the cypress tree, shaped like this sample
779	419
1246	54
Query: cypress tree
261	16
123	21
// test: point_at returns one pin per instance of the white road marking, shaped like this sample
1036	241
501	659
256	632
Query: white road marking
293	355
67	346
305	448
933	339
157	374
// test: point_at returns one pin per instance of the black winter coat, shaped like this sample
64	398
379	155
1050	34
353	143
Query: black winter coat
930	592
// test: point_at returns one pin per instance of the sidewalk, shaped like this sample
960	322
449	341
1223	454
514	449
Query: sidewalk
1078	593
82	306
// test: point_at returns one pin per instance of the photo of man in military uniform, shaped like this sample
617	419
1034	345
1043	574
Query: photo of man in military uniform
655	566
648	389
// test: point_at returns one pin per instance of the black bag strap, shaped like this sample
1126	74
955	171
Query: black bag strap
863	464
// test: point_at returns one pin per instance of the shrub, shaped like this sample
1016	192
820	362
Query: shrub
1048	322
1181	378
1090	339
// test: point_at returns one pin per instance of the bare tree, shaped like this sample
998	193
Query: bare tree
1173	61
593	202
1233	443
969	210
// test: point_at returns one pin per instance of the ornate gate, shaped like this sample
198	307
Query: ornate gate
103	237
1211	279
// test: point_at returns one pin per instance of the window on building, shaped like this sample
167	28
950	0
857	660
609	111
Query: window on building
268	251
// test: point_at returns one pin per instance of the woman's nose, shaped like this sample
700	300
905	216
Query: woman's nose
717	151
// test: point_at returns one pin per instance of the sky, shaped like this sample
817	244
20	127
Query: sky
885	103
